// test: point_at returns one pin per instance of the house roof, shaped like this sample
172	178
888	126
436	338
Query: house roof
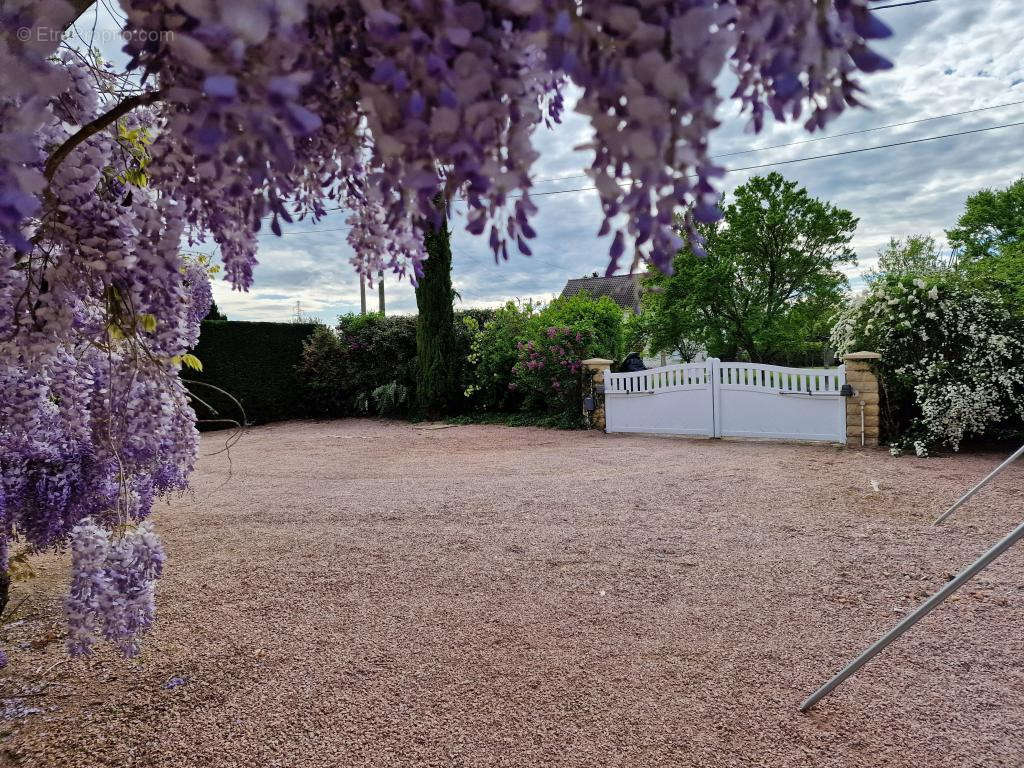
624	290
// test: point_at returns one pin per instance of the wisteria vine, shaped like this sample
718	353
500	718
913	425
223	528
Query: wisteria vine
248	114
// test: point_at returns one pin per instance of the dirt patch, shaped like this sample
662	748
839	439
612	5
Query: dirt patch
362	593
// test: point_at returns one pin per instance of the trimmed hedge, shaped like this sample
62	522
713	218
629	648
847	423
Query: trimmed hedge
256	363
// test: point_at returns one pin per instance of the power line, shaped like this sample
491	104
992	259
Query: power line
780	146
869	130
316	231
900	5
812	157
760	165
823	138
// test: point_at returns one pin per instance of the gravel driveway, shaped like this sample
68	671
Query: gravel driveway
362	593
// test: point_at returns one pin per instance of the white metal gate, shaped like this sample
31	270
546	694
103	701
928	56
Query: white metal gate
719	399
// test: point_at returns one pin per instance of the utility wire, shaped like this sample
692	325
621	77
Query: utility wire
316	231
812	157
900	5
823	138
756	167
869	130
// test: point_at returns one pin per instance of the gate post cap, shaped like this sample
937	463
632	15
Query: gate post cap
596	362
862	356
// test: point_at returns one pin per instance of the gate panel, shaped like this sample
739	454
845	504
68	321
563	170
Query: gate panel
717	399
673	399
770	401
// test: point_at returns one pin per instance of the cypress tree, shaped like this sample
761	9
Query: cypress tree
436	356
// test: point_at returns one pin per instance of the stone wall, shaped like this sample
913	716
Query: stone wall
861	376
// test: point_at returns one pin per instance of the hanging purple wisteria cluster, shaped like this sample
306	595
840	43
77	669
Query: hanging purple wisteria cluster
253	113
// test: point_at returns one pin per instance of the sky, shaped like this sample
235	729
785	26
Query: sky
949	56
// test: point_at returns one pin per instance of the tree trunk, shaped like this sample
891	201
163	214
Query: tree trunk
436	363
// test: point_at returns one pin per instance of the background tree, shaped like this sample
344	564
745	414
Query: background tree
437	364
988	241
914	255
770	283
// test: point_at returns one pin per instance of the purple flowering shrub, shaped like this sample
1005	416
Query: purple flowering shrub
526	358
549	372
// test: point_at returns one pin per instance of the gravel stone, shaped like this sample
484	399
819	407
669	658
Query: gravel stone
365	593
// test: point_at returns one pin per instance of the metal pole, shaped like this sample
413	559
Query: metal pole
912	618
1019	452
362	293
380	291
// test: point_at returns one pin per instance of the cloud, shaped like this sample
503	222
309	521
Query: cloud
949	57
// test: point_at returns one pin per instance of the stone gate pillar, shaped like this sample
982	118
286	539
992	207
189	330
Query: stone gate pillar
597	366
862	410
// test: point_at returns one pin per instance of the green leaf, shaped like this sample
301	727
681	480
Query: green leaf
192	362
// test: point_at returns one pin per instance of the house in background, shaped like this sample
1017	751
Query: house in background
624	290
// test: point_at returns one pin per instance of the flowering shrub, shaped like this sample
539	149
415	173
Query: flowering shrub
952	362
602	317
549	372
527	357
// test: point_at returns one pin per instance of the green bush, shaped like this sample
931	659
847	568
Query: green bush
322	372
342	368
256	364
493	354
529	359
367	364
391	399
602	317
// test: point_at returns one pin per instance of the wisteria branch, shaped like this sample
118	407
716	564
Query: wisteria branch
89	129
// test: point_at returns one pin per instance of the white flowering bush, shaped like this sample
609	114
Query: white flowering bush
952	359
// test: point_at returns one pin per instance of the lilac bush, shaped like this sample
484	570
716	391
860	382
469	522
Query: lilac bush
237	115
549	372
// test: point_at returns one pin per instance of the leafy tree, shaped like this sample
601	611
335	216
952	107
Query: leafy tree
988	240
916	255
992	219
437	363
769	284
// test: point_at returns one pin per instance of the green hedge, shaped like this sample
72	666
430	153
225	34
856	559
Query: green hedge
256	363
